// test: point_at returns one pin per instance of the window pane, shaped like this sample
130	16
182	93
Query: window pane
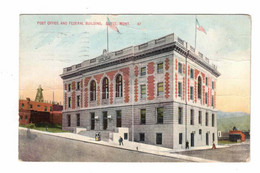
160	89
143	91
158	138
160	68
143	116
159	115
143	71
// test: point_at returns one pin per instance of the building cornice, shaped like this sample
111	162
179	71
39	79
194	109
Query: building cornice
137	52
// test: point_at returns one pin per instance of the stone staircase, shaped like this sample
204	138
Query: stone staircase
104	134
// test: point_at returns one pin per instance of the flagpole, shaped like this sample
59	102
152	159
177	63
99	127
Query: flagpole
107	38
195	31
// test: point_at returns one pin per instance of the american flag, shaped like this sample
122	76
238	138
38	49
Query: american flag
199	27
112	26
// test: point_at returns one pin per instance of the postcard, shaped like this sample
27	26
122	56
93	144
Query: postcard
134	88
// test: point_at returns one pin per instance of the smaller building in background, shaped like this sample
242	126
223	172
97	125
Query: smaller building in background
39	112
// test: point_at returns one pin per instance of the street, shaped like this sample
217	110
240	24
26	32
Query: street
40	147
235	153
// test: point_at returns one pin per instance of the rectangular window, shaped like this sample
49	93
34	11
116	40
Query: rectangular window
78	120
180	68
180	138
26	118
206	98
191	117
31	106
21	117
160	89
179	89
78	101
200	117
143	91
191	93
78	85
212	101
207	119
200	131
142	137
105	120
92	120
159	138
119	118
143	116
69	87
160	115
143	71
213	85
69	102
68	120
125	136
160	68
206	81
38	106
50	108
213	120
191	73
213	137
45	108
180	115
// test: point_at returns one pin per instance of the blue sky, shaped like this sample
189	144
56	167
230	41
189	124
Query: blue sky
46	49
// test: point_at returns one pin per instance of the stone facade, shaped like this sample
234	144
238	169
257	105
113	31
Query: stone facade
160	78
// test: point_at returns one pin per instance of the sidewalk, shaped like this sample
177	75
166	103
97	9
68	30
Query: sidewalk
128	145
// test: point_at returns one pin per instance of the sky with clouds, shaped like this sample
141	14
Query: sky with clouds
46	49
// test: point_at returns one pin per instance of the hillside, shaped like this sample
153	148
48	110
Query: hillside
227	120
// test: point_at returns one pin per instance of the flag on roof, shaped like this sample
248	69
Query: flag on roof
112	26
199	27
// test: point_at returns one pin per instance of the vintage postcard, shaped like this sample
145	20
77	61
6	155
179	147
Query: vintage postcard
135	88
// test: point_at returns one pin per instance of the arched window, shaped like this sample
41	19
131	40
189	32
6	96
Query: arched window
119	86
92	90
105	88
199	87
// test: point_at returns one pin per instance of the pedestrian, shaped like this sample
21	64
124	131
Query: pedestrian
214	146
120	141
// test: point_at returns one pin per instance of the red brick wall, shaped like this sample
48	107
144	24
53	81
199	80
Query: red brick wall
150	68
183	89
126	83
166	64
73	99
136	90
98	77
86	81
167	85
150	81
111	75
136	71
176	85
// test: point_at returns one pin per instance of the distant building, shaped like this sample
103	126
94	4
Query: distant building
162	92
39	112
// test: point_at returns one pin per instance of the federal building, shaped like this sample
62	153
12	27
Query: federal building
162	92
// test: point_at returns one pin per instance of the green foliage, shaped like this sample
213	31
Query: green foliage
241	123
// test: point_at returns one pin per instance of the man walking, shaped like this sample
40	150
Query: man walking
120	141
